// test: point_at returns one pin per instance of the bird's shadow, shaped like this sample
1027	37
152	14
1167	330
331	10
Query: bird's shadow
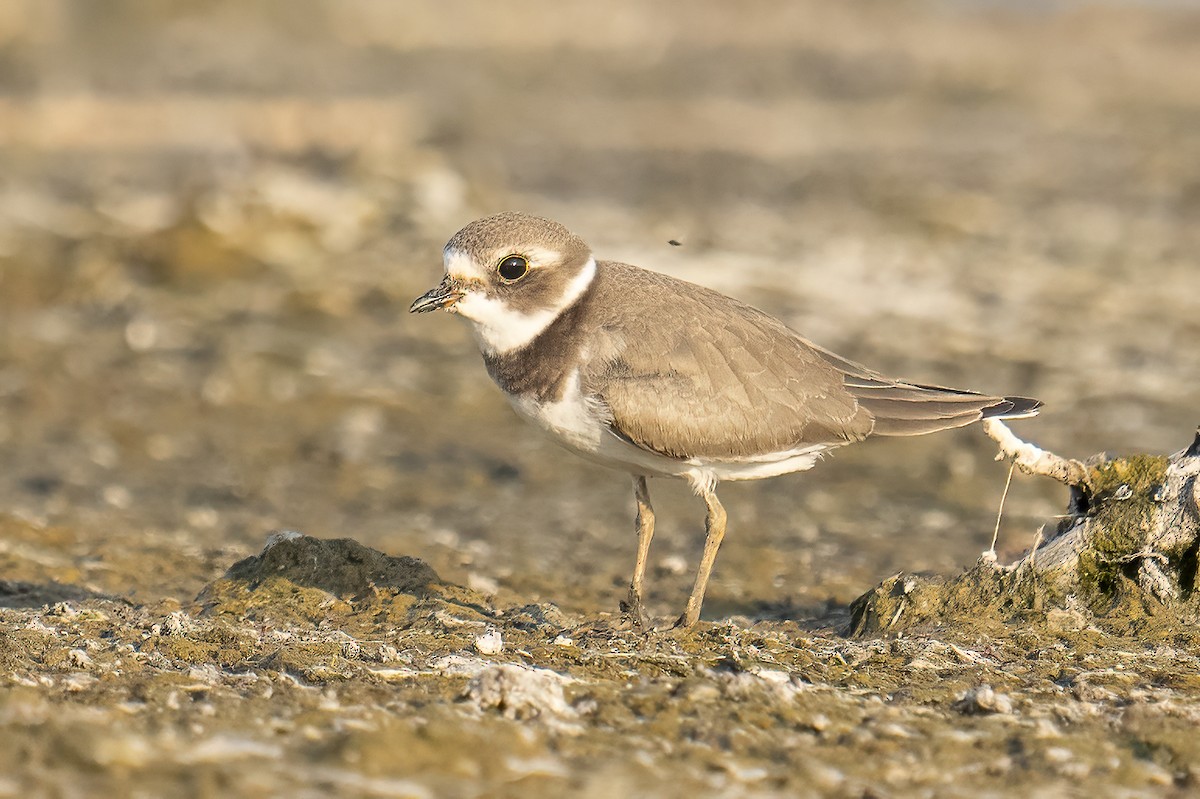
829	616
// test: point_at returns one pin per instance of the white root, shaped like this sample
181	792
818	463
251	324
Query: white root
1033	460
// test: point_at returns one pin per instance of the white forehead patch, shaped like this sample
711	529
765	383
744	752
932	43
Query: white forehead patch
501	329
461	266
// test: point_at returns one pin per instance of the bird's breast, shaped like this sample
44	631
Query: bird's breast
572	417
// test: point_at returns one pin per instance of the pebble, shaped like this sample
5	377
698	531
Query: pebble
984	700
490	643
518	692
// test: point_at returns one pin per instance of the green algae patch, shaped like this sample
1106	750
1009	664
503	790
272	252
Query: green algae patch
1122	503
1120	533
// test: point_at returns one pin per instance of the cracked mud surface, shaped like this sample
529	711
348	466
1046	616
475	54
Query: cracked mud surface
211	226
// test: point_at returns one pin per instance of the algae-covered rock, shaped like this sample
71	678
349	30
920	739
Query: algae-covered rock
1126	551
298	579
305	582
976	600
341	566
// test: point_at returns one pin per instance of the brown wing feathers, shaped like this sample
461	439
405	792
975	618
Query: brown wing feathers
717	378
710	377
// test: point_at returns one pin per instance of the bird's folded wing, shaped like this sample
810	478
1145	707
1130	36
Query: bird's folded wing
731	384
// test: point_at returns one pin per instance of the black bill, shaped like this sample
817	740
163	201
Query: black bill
444	294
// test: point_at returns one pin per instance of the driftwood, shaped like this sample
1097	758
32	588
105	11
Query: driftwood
1130	537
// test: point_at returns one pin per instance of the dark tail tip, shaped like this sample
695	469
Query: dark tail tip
1012	408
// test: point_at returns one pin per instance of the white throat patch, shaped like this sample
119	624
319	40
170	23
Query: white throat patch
499	328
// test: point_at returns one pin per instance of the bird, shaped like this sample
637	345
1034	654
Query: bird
659	377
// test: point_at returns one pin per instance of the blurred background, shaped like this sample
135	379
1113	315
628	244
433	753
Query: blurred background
213	217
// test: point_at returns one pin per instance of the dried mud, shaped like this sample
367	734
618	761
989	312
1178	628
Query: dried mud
323	666
212	222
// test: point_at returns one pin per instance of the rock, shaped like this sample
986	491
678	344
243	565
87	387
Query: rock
982	701
298	580
490	643
79	659
518	692
341	566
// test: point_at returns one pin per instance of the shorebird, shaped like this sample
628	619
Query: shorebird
663	378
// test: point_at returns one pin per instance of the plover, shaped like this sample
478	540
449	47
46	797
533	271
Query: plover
664	378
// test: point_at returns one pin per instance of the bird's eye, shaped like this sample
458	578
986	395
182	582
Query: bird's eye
513	267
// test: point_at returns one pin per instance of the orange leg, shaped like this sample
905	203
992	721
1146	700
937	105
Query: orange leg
645	530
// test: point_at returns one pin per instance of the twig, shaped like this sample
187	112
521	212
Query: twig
1000	513
1031	459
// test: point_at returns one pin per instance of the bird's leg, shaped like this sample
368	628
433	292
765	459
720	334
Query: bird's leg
645	530
714	528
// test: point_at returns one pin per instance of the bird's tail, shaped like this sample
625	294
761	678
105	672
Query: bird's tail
912	409
907	409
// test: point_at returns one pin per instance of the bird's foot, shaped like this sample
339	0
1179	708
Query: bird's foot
689	618
632	607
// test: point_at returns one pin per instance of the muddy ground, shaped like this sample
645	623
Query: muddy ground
213	218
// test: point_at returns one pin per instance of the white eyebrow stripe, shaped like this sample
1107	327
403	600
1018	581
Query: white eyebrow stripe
539	256
462	266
